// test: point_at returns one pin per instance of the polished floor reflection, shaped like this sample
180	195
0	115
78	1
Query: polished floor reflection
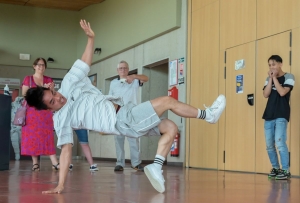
20	184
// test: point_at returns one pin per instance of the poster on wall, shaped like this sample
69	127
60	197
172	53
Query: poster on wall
10	81
93	79
57	83
239	64
173	77
239	84
181	71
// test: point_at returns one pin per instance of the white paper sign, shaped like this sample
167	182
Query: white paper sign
239	64
10	81
173	77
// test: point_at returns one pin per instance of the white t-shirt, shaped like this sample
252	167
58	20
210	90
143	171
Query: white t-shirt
86	107
127	91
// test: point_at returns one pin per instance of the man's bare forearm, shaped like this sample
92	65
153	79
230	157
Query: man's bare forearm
89	51
268	89
142	78
281	90
65	160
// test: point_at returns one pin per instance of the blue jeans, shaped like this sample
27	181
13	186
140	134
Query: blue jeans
275	133
82	135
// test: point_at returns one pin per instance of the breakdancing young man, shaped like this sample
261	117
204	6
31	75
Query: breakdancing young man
80	105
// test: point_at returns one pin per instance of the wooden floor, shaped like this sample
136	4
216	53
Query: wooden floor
20	184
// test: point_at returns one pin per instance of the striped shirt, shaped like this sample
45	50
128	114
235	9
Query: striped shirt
86	107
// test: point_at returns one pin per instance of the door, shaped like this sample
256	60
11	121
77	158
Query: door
202	150
295	108
279	45
240	115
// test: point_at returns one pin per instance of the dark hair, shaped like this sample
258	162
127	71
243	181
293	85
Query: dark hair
34	97
276	58
37	60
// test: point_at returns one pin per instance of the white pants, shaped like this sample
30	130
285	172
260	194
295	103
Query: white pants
15	136
134	150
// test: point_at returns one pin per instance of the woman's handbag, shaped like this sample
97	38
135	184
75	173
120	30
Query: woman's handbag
20	117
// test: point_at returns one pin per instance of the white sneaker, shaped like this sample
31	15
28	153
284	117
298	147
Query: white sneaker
155	176
216	109
94	167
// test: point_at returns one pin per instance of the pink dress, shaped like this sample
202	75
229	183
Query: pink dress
37	134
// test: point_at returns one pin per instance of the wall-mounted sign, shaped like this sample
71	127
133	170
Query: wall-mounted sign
239	64
57	83
181	71
173	77
239	84
93	79
10	81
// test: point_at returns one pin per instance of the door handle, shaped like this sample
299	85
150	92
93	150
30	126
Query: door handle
250	98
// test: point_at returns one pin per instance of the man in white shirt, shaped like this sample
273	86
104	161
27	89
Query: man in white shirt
127	87
80	105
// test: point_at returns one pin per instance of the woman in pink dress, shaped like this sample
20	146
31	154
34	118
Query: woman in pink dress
37	134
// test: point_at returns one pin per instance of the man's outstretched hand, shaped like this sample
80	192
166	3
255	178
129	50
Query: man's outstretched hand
87	28
58	190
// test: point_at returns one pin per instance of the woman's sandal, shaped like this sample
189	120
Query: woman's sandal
35	167
55	167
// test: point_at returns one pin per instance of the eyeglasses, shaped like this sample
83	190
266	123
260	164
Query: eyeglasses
122	68
40	65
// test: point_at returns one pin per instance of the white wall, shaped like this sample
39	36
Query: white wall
40	32
168	46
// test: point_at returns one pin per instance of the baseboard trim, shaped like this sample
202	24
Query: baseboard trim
126	160
180	164
73	157
175	164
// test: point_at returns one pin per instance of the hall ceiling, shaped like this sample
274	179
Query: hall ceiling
72	5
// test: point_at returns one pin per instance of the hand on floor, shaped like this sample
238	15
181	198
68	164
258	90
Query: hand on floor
58	190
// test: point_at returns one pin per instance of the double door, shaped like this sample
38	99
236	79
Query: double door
246	72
